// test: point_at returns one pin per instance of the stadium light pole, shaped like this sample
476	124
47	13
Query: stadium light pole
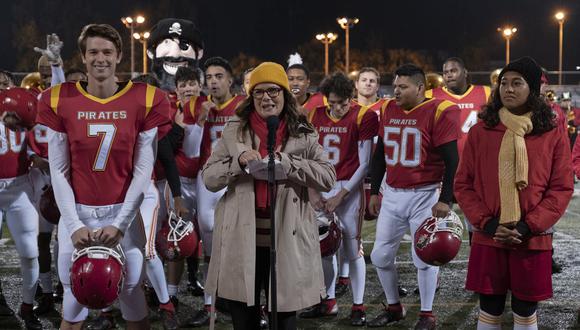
130	23
142	37
560	17
346	24
508	33
326	39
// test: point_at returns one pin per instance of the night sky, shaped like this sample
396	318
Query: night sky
271	30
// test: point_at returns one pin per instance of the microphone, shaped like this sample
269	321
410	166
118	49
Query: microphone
273	123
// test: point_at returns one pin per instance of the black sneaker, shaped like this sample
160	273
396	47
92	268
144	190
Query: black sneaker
195	288
104	321
168	319
45	305
403	292
321	309
358	317
4	309
31	321
386	317
200	319
426	322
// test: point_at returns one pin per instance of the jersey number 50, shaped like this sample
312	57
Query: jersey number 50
401	153
107	133
11	141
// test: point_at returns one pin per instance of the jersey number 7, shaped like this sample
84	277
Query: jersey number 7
107	134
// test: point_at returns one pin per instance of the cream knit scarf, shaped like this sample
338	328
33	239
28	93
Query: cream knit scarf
513	164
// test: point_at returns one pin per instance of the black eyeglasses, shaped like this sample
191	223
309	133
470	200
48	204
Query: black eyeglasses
272	92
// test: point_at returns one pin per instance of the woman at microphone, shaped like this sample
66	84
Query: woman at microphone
240	259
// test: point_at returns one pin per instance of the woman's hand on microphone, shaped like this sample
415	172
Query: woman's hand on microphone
247	156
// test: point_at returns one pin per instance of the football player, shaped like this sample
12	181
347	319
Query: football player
469	98
16	205
102	139
417	149
40	176
299	79
367	89
345	129
220	105
188	85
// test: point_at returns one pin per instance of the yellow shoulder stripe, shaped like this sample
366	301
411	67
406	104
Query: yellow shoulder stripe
384	106
54	97
487	91
149	96
361	113
429	93
442	107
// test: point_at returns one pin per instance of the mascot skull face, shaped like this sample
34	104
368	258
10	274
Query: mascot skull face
173	43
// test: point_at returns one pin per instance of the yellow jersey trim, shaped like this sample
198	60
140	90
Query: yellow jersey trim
442	107
54	97
149	97
225	104
108	99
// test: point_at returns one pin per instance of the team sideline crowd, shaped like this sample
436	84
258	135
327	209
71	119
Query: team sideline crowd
140	180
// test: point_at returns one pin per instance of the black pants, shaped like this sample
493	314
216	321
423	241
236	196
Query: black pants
248	317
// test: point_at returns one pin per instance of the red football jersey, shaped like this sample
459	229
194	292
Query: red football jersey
102	134
186	167
411	138
376	106
13	158
470	103
314	101
38	140
340	137
215	123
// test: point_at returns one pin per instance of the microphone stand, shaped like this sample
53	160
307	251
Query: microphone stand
272	194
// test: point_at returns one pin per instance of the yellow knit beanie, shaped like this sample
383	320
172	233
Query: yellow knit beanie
269	72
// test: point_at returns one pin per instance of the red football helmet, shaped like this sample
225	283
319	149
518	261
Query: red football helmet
177	238
21	102
329	234
97	275
437	240
47	206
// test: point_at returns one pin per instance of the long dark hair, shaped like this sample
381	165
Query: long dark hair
542	115
296	122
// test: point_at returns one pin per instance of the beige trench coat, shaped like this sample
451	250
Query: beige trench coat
233	258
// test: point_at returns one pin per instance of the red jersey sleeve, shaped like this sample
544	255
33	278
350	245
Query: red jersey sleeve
47	109
157	108
576	158
368	124
446	123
